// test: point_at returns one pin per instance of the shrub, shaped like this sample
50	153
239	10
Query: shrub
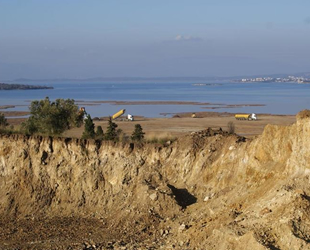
119	132
138	133
5	128
111	133
122	137
29	127
231	128
89	128
99	133
3	121
52	118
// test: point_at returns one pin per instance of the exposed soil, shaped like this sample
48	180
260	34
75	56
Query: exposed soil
182	124
206	190
177	124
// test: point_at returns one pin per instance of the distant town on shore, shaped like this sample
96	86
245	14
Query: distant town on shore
298	79
301	78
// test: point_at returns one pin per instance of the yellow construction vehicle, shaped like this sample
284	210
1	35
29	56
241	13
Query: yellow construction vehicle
248	117
118	114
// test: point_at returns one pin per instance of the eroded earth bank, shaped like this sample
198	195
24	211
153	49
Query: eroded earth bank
207	190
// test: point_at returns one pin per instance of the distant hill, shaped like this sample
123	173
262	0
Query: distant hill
6	86
126	79
172	79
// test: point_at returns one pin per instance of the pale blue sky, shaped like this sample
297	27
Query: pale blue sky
80	39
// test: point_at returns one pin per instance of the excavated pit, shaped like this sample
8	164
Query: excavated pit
182	196
207	190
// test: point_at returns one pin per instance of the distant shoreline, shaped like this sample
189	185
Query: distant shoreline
220	105
7	86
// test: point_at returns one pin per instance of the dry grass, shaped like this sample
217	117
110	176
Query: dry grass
160	138
163	128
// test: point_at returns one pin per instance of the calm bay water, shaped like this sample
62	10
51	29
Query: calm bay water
279	98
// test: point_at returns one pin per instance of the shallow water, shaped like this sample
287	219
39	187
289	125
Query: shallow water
279	98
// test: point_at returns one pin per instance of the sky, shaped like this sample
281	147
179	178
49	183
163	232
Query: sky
159	38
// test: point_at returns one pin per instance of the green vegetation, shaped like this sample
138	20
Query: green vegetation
3	121
138	133
6	86
111	133
4	126
89	128
99	133
52	118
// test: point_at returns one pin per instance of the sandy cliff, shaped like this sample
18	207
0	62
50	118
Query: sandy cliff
207	190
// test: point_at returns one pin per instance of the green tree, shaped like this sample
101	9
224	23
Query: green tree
3	121
111	133
99	133
80	117
29	127
138	133
52	118
89	128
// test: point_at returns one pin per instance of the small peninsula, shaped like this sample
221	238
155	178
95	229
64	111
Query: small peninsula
6	86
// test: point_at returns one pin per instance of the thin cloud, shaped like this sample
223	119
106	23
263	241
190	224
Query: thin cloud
187	38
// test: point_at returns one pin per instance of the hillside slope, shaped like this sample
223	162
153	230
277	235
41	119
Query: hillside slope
207	190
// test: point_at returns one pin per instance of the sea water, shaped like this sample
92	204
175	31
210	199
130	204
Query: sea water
277	98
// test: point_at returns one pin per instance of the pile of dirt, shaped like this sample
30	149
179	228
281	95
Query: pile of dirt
303	114
209	132
202	114
207	190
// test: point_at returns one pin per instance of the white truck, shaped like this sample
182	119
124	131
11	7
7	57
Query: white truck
130	117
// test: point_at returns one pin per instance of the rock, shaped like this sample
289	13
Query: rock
299	192
182	227
153	196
